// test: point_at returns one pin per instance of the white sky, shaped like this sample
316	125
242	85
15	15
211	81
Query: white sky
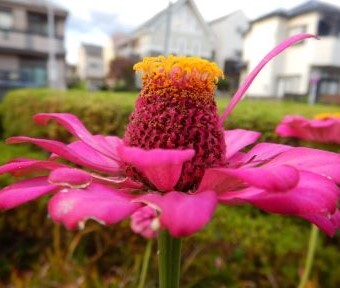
92	21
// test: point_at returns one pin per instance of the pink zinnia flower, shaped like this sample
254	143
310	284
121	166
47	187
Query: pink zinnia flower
324	128
175	162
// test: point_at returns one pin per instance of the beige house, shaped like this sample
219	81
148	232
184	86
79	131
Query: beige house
24	44
179	30
90	65
228	32
310	70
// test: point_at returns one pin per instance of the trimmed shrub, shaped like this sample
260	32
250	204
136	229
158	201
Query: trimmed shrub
108	112
102	112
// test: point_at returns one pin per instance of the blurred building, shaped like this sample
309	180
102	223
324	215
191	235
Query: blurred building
178	29
24	44
110	50
306	70
91	65
228	32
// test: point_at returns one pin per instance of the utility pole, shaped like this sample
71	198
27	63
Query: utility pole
52	63
167	33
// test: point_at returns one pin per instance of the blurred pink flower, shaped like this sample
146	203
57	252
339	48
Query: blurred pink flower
324	130
175	162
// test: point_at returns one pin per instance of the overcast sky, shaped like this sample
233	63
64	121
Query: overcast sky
91	21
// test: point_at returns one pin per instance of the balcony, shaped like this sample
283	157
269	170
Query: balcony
326	51
28	43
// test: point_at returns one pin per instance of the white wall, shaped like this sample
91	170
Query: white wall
228	34
188	36
262	37
290	71
299	58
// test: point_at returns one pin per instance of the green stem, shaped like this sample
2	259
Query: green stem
145	265
169	256
310	256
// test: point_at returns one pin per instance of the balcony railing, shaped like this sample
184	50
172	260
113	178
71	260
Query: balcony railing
326	51
29	42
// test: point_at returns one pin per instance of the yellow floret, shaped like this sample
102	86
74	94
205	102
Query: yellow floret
179	67
326	115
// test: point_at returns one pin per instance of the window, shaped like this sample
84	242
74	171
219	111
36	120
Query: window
288	85
240	31
37	23
35	72
329	27
297	30
324	28
329	86
6	19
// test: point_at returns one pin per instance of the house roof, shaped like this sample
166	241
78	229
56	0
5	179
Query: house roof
224	17
174	6
306	7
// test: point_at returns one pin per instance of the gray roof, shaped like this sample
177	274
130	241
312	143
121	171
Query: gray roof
306	7
224	17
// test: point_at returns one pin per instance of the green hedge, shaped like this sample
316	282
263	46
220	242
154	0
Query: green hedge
102	112
108	112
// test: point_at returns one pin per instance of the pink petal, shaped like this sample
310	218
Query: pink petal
145	222
118	182
162	167
70	177
259	154
317	161
328	223
324	131
245	85
19	167
183	214
79	147
24	191
97	202
216	180
314	195
237	139
76	128
282	178
65	152
266	151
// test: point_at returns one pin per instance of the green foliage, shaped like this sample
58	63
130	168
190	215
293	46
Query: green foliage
107	112
121	72
223	84
103	112
242	247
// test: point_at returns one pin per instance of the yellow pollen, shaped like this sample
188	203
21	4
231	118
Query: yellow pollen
322	116
180	72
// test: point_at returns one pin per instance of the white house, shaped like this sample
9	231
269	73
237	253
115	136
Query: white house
178	29
308	69
90	65
228	32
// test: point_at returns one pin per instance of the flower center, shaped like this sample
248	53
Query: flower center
176	110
